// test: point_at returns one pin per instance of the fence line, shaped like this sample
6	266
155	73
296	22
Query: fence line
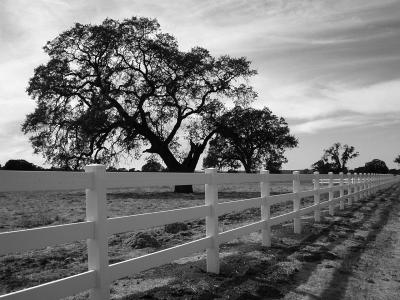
98	227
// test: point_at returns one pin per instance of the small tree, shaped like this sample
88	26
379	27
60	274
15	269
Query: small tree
20	165
376	166
335	158
252	137
397	160
359	170
152	165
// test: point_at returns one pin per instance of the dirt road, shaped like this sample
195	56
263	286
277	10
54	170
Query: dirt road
368	264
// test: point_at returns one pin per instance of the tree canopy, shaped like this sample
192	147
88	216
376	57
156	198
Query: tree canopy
123	87
335	158
254	137
20	165
376	166
397	160
152	165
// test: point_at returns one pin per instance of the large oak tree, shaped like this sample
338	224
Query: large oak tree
123	87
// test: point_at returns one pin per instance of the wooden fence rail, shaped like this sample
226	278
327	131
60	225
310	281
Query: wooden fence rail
97	227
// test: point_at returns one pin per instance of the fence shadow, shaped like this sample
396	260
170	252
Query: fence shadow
258	270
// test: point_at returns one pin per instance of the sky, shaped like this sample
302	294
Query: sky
330	68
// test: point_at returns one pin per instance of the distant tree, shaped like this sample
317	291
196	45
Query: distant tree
307	171
121	88
132	170
397	160
122	170
112	169
253	137
376	166
335	158
20	165
394	171
359	170
152	165
322	166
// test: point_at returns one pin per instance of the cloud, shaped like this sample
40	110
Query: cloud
322	64
349	121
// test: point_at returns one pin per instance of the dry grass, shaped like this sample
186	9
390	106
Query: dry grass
34	209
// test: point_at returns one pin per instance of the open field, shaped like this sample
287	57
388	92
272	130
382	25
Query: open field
28	210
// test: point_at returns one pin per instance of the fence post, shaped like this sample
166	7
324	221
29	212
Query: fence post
373	183
341	191
96	211
211	199
369	184
349	198
317	211
356	187
362	185
296	202
362	182
265	187
330	185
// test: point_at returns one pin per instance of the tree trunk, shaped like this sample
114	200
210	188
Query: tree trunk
188	166
183	189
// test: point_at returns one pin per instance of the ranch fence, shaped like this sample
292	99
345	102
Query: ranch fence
97	227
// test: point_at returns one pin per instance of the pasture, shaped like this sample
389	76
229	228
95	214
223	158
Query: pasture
22	210
185	278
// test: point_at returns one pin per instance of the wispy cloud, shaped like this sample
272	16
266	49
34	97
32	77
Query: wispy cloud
321	63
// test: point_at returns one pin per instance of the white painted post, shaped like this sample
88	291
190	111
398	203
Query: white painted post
362	187
96	211
331	206
265	208
356	187
349	180
341	191
211	199
369	184
296	201
317	211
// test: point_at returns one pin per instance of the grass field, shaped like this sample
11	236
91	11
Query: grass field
34	209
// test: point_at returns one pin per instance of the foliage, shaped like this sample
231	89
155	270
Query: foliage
306	171
123	87
376	166
20	165
335	158
397	160
359	170
253	137
218	158
152	165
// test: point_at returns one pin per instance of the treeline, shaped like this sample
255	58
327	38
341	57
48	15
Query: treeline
152	165
336	157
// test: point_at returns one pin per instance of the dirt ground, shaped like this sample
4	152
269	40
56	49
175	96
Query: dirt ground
352	255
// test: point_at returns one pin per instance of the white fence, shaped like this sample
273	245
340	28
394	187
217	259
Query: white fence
98	227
